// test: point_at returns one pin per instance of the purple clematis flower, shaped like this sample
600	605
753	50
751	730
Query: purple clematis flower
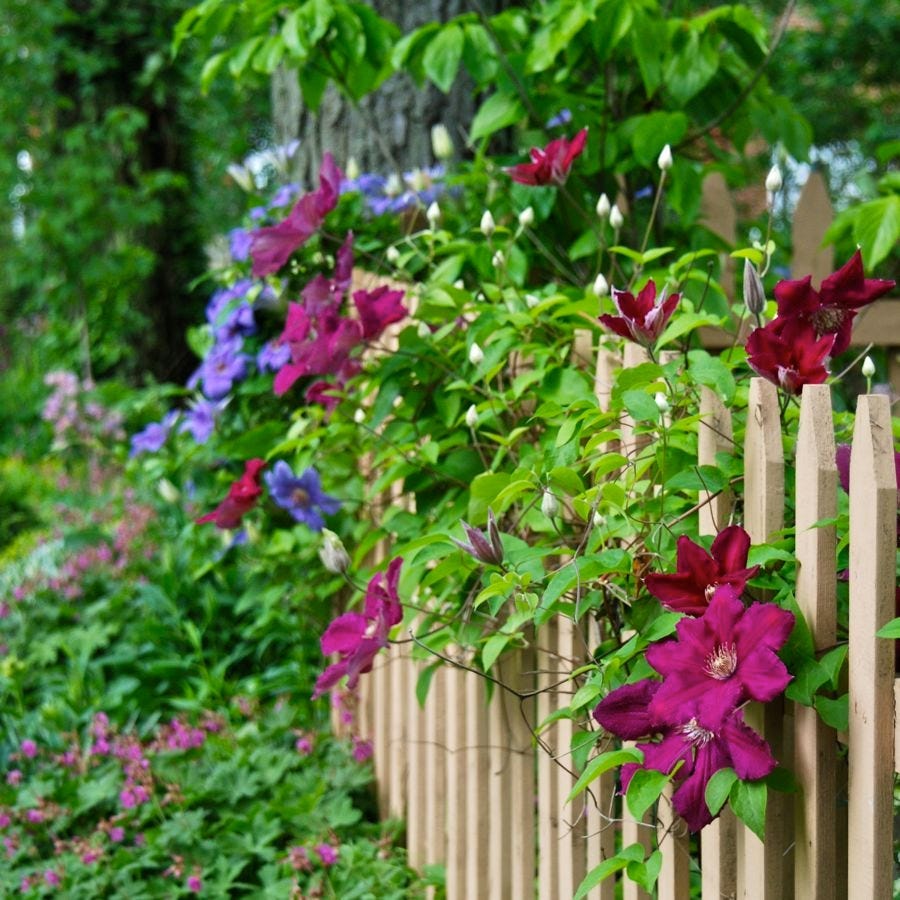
358	637
239	244
223	366
200	420
643	318
378	309
720	660
154	436
700	750
789	353
302	496
487	548
273	356
239	322
689	589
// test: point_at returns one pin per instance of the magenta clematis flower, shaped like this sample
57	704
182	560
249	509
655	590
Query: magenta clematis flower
378	309
271	247
551	164
689	589
789	353
357	637
720	660
242	497
643	318
832	308
701	751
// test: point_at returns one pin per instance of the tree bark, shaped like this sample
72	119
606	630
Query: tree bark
402	113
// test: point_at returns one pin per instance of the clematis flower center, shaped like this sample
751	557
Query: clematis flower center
828	320
710	590
300	497
721	663
696	733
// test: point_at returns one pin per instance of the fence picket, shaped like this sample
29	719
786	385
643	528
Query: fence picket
815	761
873	512
548	801
456	783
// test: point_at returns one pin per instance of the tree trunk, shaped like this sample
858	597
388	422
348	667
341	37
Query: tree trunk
402	113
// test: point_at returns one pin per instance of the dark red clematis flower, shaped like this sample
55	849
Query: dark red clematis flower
358	637
377	309
242	497
551	164
720	660
643	318
831	309
689	589
701	751
272	246
789	353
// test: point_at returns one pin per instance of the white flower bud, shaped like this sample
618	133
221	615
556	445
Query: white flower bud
662	402
616	219
423	331
241	176
441	142
170	493
397	401
773	180
603	207
526	217
333	554
476	355
664	160
601	286
393	255
598	520
433	214
532	300
549	505
498	260
472	416
359	416
459	284
868	367
352	169
487	224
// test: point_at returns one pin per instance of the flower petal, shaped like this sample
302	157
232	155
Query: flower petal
625	711
344	633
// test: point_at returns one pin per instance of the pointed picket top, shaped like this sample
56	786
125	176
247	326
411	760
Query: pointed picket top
873	523
763	463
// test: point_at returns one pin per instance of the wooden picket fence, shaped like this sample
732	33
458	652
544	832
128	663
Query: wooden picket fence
484	795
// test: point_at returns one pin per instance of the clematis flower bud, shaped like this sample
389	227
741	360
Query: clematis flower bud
664	161
498	260
662	402
487	224
598	520
603	207
754	292
488	550
773	180
549	504
441	142
601	286
472	416
616	219
359	416
868	367
433	214
393	255
352	171
476	355
333	554
532	300
422	330
526	217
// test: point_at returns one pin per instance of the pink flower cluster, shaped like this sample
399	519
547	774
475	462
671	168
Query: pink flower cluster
724	654
72	416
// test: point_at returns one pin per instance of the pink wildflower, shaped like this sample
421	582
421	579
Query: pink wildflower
29	748
327	853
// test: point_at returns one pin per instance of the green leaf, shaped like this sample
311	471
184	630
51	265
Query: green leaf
877	228
712	372
835	713
684	323
641	406
442	56
644	790
498	111
891	630
555	35
653	131
698	478
607	868
748	800
493	647
603	763
718	788
423	682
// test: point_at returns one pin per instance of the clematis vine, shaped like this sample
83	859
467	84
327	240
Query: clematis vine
698	573
789	353
643	318
272	246
720	660
358	637
551	164
301	495
831	309
696	750
242	497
